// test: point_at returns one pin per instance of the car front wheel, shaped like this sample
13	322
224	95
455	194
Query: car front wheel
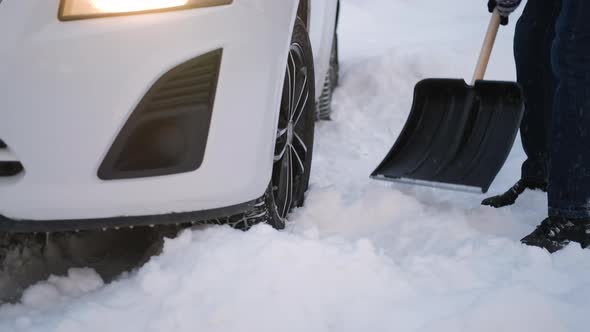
293	141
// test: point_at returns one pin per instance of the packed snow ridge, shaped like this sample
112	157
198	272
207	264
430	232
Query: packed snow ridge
361	255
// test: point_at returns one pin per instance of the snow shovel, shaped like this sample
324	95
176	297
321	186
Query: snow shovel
457	136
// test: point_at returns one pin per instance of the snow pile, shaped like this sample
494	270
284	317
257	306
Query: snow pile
77	283
219	279
362	255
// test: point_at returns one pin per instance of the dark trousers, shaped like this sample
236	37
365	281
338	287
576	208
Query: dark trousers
552	54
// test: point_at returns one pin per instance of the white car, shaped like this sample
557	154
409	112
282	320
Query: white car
119	113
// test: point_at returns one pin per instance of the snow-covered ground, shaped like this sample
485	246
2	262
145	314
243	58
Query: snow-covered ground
362	255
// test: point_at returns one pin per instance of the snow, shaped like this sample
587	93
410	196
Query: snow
362	255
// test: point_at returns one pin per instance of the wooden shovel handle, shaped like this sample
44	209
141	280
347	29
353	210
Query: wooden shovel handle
486	49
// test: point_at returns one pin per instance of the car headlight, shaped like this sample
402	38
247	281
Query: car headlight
81	9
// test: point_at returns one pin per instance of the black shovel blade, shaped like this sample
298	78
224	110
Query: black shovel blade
457	136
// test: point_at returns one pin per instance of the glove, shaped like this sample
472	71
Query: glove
505	8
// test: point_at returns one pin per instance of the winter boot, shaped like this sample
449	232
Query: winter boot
555	233
509	197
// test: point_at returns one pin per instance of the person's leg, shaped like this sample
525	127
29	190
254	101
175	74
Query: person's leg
569	174
534	35
569	144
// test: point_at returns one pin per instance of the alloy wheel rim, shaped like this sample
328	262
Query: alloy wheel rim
291	149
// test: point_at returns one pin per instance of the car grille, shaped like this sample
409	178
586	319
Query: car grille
9	166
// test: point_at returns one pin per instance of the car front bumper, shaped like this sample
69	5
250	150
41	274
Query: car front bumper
67	89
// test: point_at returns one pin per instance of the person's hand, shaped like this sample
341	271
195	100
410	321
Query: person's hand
505	8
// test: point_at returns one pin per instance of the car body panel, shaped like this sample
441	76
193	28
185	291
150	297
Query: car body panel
67	89
321	34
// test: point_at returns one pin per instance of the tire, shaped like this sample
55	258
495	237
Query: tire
324	108
293	144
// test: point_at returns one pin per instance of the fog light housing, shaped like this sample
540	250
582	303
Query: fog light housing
167	132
